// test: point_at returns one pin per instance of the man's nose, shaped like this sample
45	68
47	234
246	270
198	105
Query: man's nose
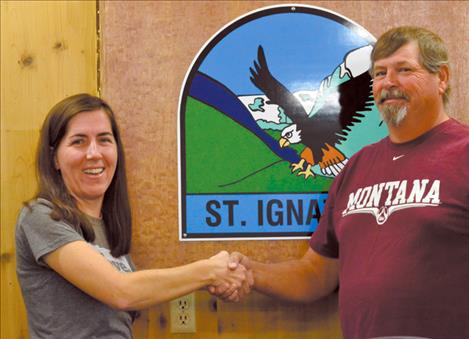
390	79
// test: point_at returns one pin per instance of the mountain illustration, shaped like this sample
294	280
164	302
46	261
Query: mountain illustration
245	158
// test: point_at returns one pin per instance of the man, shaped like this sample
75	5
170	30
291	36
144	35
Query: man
395	231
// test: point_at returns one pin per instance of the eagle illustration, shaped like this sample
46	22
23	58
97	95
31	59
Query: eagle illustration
321	131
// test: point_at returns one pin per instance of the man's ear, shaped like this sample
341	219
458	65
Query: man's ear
443	76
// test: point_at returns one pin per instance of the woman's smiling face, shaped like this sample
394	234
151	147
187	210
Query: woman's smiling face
87	156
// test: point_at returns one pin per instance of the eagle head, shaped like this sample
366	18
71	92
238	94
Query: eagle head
290	135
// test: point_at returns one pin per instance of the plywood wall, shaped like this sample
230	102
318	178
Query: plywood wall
147	47
48	51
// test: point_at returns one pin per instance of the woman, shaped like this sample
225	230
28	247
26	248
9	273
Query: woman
73	239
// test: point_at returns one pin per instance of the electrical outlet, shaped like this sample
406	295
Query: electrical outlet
182	312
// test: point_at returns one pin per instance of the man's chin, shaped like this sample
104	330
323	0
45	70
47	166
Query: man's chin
393	114
391	106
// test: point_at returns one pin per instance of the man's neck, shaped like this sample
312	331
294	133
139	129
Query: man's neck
412	127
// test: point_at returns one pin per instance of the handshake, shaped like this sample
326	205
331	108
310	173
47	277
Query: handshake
232	276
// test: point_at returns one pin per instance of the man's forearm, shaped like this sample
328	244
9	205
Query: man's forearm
303	280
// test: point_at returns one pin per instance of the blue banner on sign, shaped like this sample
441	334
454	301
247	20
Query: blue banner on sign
254	213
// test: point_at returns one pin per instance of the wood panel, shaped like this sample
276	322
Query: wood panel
147	49
48	51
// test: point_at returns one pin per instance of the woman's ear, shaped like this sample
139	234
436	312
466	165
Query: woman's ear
56	163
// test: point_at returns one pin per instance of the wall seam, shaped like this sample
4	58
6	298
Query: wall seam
98	50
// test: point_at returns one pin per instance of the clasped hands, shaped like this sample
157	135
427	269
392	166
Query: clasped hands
233	276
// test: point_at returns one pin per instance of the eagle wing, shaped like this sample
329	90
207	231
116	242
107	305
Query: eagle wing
274	90
332	122
336	117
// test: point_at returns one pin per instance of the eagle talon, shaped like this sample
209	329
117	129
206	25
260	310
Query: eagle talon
298	166
307	172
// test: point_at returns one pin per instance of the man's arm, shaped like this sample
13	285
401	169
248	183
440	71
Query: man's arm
301	280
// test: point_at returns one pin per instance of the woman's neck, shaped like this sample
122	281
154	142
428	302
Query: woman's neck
90	207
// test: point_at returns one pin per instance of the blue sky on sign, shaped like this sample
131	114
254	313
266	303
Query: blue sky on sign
301	49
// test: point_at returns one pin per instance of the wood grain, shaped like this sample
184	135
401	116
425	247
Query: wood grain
48	51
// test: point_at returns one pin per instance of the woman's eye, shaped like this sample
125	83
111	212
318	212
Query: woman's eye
77	142
107	140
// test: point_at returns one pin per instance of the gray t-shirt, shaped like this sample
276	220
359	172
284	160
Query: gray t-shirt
55	307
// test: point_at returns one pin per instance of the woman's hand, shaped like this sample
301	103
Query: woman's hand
230	277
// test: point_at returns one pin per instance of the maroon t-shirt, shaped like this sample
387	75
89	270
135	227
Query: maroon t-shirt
397	217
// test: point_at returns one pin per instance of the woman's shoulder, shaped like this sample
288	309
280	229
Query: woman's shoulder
37	210
36	217
37	206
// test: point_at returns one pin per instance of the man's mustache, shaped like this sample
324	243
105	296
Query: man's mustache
393	93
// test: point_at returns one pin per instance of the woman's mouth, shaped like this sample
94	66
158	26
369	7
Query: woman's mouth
94	171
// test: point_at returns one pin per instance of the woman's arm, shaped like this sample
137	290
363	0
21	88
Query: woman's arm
88	270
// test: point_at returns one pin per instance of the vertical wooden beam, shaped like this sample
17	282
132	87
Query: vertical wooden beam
48	51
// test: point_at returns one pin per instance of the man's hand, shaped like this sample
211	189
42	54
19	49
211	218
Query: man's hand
228	293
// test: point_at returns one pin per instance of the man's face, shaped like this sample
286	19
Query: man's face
402	87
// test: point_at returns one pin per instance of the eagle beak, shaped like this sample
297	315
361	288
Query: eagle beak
284	142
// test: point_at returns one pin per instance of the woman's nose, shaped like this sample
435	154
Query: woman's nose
92	151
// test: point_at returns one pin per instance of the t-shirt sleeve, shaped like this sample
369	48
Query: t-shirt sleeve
131	263
42	233
324	240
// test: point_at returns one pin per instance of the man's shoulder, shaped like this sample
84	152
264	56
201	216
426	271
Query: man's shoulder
456	126
362	157
457	133
370	149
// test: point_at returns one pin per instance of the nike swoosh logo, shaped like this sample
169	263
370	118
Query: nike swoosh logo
398	157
